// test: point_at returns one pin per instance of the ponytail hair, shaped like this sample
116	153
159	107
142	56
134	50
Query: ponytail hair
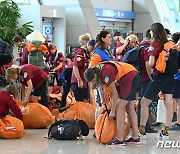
99	42
12	90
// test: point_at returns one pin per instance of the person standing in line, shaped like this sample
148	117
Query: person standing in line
160	82
145	76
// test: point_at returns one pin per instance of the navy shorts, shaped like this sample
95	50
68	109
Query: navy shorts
161	82
134	87
176	89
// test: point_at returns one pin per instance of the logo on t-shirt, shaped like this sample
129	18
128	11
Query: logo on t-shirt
151	48
25	75
106	79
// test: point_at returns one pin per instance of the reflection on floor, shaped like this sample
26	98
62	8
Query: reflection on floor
34	142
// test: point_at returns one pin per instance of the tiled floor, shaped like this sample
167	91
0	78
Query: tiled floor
34	142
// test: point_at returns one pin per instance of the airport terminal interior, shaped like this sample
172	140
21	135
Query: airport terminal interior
58	96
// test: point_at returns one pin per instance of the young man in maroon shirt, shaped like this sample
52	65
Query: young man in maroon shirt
34	78
56	64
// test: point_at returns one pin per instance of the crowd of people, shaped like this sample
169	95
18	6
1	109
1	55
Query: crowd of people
94	67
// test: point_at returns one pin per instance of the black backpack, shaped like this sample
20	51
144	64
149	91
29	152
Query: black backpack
3	81
172	63
6	53
68	129
133	56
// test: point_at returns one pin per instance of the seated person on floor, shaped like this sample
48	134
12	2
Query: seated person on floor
7	101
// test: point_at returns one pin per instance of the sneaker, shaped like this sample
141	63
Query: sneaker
116	141
175	127
163	136
133	141
142	136
151	130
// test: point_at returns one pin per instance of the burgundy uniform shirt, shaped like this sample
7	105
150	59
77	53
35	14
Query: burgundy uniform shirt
7	102
55	59
35	73
81	61
108	75
154	50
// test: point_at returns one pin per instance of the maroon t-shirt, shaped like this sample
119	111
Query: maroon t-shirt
35	73
81	61
118	56
55	59
144	57
7	102
154	50
108	75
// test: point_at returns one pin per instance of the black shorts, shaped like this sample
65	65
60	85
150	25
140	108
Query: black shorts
80	93
161	82
43	88
176	89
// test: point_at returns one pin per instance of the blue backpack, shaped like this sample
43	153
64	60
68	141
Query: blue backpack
133	56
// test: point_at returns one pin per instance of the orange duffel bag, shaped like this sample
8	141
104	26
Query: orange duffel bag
82	111
11	127
106	128
36	115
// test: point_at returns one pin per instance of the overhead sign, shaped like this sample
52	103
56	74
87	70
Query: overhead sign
47	30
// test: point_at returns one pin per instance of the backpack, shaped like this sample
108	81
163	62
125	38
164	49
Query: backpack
167	61
133	56
68	129
3	81
6	53
61	79
36	57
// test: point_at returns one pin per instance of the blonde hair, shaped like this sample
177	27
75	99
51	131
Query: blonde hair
85	37
12	90
52	46
132	36
10	72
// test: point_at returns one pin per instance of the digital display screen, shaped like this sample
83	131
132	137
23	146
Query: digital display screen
108	13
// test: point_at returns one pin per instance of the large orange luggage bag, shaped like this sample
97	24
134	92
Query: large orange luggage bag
11	127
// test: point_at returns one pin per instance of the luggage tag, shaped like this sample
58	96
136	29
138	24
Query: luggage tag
11	128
